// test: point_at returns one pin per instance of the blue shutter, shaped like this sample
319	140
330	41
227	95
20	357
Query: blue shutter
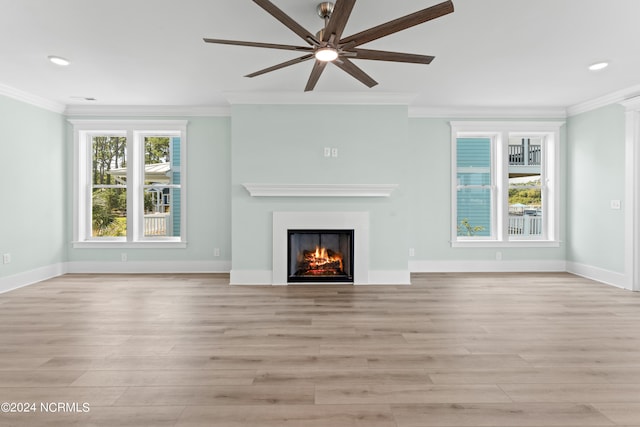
473	157
176	209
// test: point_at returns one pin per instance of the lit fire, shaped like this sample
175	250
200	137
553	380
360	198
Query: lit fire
321	257
322	261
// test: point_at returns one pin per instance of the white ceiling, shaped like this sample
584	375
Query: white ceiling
490	53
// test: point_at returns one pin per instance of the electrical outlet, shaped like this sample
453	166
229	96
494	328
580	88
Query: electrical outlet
412	252
216	252
327	151
6	258
123	257
615	204
334	152
498	256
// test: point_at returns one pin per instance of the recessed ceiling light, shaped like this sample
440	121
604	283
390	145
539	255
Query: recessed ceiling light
59	60
598	66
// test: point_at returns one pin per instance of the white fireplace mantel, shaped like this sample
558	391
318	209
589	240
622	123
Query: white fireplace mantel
320	190
358	221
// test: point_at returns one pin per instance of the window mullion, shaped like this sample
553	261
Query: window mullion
496	166
546	192
132	186
501	184
86	183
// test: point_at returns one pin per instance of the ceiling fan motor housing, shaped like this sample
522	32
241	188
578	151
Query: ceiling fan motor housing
329	45
325	9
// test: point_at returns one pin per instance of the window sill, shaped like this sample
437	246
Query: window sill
165	244
509	244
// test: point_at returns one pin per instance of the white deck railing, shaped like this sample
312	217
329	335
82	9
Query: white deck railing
156	224
525	225
529	155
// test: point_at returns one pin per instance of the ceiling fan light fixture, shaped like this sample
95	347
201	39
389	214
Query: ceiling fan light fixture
330	46
326	54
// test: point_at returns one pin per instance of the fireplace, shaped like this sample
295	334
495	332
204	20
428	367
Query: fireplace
320	256
322	221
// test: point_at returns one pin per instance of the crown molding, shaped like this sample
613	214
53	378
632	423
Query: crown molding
631	104
147	110
612	98
322	98
510	125
31	99
488	112
319	98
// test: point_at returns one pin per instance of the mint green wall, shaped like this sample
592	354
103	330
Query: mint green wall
208	199
32	171
430	200
430	189
596	175
284	144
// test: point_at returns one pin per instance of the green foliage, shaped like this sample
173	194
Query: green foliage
526	196
109	152
156	149
466	229
109	211
149	201
118	227
102	216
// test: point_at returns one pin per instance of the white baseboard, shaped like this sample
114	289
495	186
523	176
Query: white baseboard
389	277
594	273
264	277
485	266
251	277
43	273
146	267
608	277
30	277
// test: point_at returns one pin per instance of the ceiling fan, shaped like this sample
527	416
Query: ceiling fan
328	45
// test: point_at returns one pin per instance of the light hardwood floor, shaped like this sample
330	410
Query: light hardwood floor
451	350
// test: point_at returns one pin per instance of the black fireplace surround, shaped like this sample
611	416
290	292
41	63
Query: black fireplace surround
320	256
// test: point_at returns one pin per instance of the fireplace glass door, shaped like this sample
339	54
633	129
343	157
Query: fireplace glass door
320	256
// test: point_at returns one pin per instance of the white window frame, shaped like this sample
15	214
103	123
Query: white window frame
499	133
135	132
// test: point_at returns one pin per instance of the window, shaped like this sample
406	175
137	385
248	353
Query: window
505	183
129	183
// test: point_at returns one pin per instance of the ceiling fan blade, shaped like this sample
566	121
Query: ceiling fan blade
287	21
339	17
316	72
355	71
400	24
257	44
282	65
380	55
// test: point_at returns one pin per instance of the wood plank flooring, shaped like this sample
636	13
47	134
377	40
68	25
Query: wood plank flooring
455	350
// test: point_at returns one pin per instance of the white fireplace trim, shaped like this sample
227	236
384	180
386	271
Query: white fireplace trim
320	190
356	221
